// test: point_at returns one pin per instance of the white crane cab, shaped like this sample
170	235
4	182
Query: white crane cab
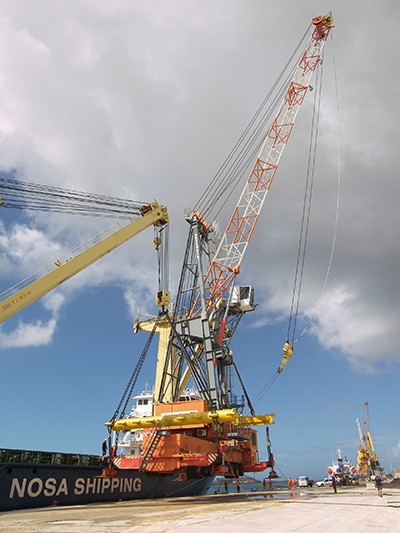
243	298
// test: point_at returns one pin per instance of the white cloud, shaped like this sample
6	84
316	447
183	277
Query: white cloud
24	245
347	323
35	334
144	100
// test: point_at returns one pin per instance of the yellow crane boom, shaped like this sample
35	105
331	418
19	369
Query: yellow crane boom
34	287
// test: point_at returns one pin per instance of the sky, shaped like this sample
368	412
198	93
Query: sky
145	100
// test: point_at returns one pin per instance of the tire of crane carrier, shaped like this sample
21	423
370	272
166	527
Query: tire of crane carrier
205	471
240	469
193	472
234	469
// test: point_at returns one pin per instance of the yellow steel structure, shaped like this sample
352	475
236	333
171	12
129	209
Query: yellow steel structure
190	419
163	329
39	284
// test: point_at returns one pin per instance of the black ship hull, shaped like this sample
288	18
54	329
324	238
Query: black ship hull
25	485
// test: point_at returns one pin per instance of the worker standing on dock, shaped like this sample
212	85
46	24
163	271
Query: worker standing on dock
378	485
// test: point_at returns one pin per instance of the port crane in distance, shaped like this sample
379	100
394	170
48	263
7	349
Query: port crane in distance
48	278
367	459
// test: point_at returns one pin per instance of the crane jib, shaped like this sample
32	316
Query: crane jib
246	213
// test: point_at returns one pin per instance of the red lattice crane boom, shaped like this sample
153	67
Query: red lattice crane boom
228	257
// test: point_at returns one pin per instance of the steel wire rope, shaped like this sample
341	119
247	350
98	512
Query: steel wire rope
162	256
262	393
271	381
135	375
301	252
218	185
214	188
337	199
248	157
19	194
283	475
237	167
305	220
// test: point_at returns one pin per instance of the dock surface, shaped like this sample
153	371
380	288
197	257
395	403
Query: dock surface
351	509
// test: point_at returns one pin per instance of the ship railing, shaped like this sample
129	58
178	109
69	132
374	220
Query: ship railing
38	457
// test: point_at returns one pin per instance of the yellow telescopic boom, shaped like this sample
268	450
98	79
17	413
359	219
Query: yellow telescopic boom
39	284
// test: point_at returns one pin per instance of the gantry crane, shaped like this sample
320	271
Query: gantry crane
48	278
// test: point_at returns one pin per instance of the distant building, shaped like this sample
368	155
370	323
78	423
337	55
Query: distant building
396	472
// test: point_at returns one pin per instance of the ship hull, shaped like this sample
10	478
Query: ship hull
24	486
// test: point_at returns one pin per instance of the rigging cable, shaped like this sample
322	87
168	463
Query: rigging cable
266	388
337	200
19	194
231	171
162	247
305	221
273	378
135	375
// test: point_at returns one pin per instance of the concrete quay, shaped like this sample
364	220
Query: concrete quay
352	509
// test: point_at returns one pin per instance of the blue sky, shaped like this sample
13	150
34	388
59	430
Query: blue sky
146	100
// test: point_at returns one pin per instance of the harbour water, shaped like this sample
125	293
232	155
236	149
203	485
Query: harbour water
246	485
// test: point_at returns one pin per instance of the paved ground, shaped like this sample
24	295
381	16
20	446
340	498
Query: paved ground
354	510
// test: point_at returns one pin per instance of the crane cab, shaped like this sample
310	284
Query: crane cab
242	299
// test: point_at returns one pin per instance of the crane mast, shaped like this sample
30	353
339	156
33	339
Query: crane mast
205	318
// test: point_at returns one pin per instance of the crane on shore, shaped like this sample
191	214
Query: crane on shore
367	460
195	338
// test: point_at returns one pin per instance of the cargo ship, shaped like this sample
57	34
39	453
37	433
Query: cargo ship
175	440
30	479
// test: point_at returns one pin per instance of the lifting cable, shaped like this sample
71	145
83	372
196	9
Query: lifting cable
18	194
249	404
288	348
162	247
337	200
135	375
305	221
248	145
301	253
337	210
